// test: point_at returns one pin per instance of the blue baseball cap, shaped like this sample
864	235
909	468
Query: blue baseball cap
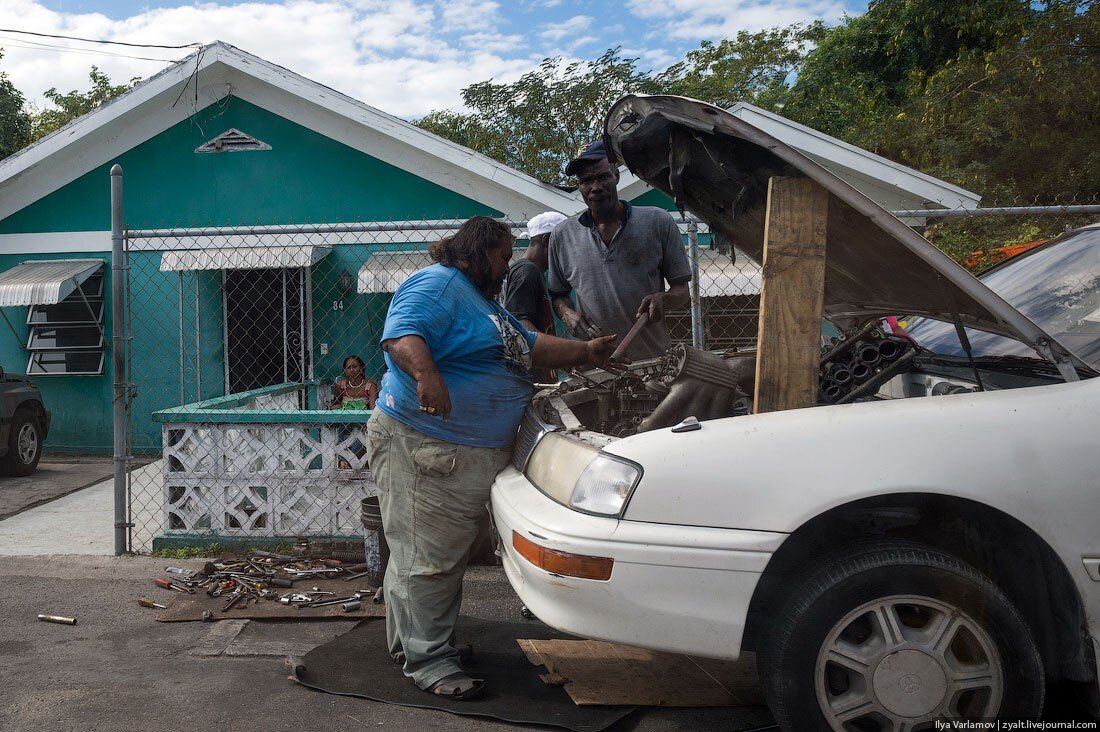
592	151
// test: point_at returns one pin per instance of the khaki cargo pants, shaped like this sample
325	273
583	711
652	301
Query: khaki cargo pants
433	496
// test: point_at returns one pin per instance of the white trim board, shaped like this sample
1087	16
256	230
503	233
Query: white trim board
59	242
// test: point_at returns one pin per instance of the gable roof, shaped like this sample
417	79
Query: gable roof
892	185
218	70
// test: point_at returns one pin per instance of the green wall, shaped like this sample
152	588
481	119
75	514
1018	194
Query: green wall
654	197
80	406
304	178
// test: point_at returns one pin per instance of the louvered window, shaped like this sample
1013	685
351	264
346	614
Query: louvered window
67	337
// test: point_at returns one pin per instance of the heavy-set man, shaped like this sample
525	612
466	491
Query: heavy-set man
617	259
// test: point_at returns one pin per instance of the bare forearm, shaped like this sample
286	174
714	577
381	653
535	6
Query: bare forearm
677	296
412	355
551	352
529	325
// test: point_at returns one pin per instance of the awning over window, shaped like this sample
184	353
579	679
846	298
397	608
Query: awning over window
718	276
44	282
385	271
277	257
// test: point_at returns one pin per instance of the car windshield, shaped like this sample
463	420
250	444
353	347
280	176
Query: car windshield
1057	286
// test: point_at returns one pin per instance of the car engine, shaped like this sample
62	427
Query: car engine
688	382
653	393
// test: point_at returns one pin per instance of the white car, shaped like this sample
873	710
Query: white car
892	561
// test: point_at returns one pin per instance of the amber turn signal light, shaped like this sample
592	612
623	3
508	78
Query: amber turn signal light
563	563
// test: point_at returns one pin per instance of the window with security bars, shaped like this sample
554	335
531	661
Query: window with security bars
66	338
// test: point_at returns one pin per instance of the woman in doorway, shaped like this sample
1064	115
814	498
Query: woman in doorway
353	390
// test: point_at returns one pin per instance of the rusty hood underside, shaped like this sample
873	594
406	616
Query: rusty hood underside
718	167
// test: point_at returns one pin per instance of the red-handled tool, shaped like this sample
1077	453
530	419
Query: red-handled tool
167	585
640	323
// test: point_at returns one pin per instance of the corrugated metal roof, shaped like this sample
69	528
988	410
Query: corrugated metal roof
385	271
45	281
276	257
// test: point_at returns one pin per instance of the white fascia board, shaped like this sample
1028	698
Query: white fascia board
457	169
99	137
60	242
831	151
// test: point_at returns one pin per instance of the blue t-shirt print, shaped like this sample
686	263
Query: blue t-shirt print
481	350
517	352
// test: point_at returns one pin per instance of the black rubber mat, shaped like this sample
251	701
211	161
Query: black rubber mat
357	664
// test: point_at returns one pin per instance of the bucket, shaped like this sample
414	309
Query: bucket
374	540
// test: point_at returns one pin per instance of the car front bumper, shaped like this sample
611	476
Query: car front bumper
683	589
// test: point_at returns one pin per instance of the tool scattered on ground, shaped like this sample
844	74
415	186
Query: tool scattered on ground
169	585
185	573
57	619
260	575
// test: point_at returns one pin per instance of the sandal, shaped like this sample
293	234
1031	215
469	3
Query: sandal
457	686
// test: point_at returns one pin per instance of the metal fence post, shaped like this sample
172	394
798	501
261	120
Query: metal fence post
118	353
696	302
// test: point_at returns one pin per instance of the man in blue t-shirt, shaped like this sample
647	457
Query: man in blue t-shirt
457	384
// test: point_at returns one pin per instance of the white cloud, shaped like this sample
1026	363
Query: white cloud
406	57
396	55
714	19
469	14
557	31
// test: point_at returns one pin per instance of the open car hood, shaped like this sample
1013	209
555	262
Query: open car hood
718	166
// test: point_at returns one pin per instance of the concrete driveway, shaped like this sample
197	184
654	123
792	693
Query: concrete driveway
53	479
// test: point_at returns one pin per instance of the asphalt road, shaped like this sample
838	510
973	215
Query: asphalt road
118	669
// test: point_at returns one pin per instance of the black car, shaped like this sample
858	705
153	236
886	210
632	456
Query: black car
24	424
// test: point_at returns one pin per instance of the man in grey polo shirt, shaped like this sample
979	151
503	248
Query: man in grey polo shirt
617	259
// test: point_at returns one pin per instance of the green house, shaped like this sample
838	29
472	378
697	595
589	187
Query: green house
221	139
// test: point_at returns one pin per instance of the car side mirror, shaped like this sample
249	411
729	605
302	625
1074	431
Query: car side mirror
1	373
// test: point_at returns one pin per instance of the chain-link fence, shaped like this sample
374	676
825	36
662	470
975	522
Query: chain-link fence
246	410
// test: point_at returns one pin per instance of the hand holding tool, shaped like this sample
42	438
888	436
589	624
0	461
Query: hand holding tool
640	323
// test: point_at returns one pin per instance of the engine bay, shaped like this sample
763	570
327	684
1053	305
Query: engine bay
867	364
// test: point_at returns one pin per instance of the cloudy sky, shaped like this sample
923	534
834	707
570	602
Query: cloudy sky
406	57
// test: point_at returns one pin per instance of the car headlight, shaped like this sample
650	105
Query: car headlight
580	476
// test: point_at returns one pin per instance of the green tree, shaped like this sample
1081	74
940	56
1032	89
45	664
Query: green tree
864	71
537	123
68	107
1019	121
752	67
15	122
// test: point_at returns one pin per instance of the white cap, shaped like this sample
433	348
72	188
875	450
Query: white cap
544	223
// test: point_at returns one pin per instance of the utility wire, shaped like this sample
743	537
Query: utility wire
18	43
96	40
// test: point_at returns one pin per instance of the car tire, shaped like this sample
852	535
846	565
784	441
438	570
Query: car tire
24	445
895	635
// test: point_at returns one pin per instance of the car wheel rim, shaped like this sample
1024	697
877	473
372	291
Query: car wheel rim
27	443
899	663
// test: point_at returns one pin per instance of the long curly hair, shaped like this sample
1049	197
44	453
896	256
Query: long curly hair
468	249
